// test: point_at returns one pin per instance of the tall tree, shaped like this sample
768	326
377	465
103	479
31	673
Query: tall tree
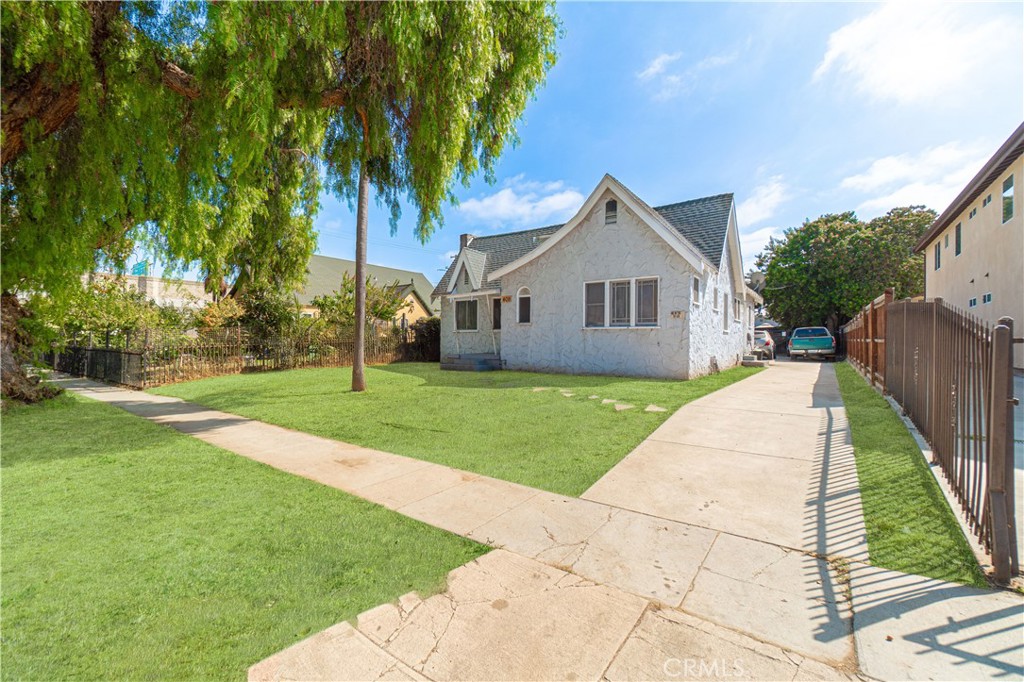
197	128
433	92
824	271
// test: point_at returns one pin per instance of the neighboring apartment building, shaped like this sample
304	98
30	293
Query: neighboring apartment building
974	252
177	293
324	274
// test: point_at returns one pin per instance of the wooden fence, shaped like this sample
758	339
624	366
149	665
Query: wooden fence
953	376
144	360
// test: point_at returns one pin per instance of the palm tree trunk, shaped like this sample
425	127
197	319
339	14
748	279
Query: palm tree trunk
359	352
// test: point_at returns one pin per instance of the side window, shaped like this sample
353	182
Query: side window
594	304
938	256
646	302
619	315
523	306
959	239
496	313
1007	198
696	289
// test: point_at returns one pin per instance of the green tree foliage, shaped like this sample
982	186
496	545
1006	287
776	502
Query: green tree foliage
221	313
269	312
824	271
199	129
383	302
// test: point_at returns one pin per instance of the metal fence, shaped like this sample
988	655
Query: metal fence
953	376
146	359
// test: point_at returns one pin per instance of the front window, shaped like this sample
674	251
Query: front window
621	303
646	302
619	315
1007	198
523	306
465	316
595	304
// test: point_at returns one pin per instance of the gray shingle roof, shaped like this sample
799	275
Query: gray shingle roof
324	276
703	222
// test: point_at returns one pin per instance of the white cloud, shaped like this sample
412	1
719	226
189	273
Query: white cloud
932	177
762	203
658	65
524	203
670	84
910	52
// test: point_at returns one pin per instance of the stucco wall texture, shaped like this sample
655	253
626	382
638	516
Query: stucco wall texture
680	346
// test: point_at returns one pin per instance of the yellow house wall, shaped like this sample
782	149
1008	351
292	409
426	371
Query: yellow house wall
991	259
413	311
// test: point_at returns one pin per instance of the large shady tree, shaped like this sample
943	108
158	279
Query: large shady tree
200	129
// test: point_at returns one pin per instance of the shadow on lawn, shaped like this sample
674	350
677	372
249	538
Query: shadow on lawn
432	375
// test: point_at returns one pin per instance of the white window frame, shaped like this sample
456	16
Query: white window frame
632	302
520	295
695	299
474	300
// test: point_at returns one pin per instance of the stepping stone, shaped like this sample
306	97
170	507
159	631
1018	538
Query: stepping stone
608	401
619	407
654	408
567	395
539	389
593	397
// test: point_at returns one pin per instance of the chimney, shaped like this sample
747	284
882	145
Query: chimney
465	239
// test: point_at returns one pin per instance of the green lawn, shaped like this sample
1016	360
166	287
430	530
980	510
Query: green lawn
910	526
491	423
134	552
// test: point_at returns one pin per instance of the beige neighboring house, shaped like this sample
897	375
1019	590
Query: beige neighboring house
324	274
974	252
177	293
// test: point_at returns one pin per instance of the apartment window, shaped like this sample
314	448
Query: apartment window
986	298
646	302
496	314
696	289
619	305
465	316
959	239
523	306
972	303
595	296
938	256
987	201
947	241
974	212
1007	198
611	211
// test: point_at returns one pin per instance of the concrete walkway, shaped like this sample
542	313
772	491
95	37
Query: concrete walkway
730	543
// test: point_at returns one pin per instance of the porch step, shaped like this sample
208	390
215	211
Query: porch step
471	363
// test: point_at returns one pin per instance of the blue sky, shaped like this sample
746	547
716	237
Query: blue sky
799	109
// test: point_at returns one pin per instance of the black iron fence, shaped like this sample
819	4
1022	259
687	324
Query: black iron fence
144	359
953	376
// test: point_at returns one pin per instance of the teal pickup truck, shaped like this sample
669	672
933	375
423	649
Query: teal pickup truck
812	342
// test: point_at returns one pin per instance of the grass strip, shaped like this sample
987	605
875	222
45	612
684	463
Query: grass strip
910	526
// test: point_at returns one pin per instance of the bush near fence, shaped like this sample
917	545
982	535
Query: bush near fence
148	358
953	376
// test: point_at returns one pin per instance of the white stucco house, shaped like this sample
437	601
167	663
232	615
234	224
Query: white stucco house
621	288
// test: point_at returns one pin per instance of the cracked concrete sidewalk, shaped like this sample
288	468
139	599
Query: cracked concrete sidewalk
709	551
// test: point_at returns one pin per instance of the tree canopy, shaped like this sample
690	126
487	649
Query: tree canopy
202	130
824	271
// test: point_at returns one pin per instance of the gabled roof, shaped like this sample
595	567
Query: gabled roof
700	225
1009	152
323	277
498	251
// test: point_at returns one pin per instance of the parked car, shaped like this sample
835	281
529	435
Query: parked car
764	342
809	342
